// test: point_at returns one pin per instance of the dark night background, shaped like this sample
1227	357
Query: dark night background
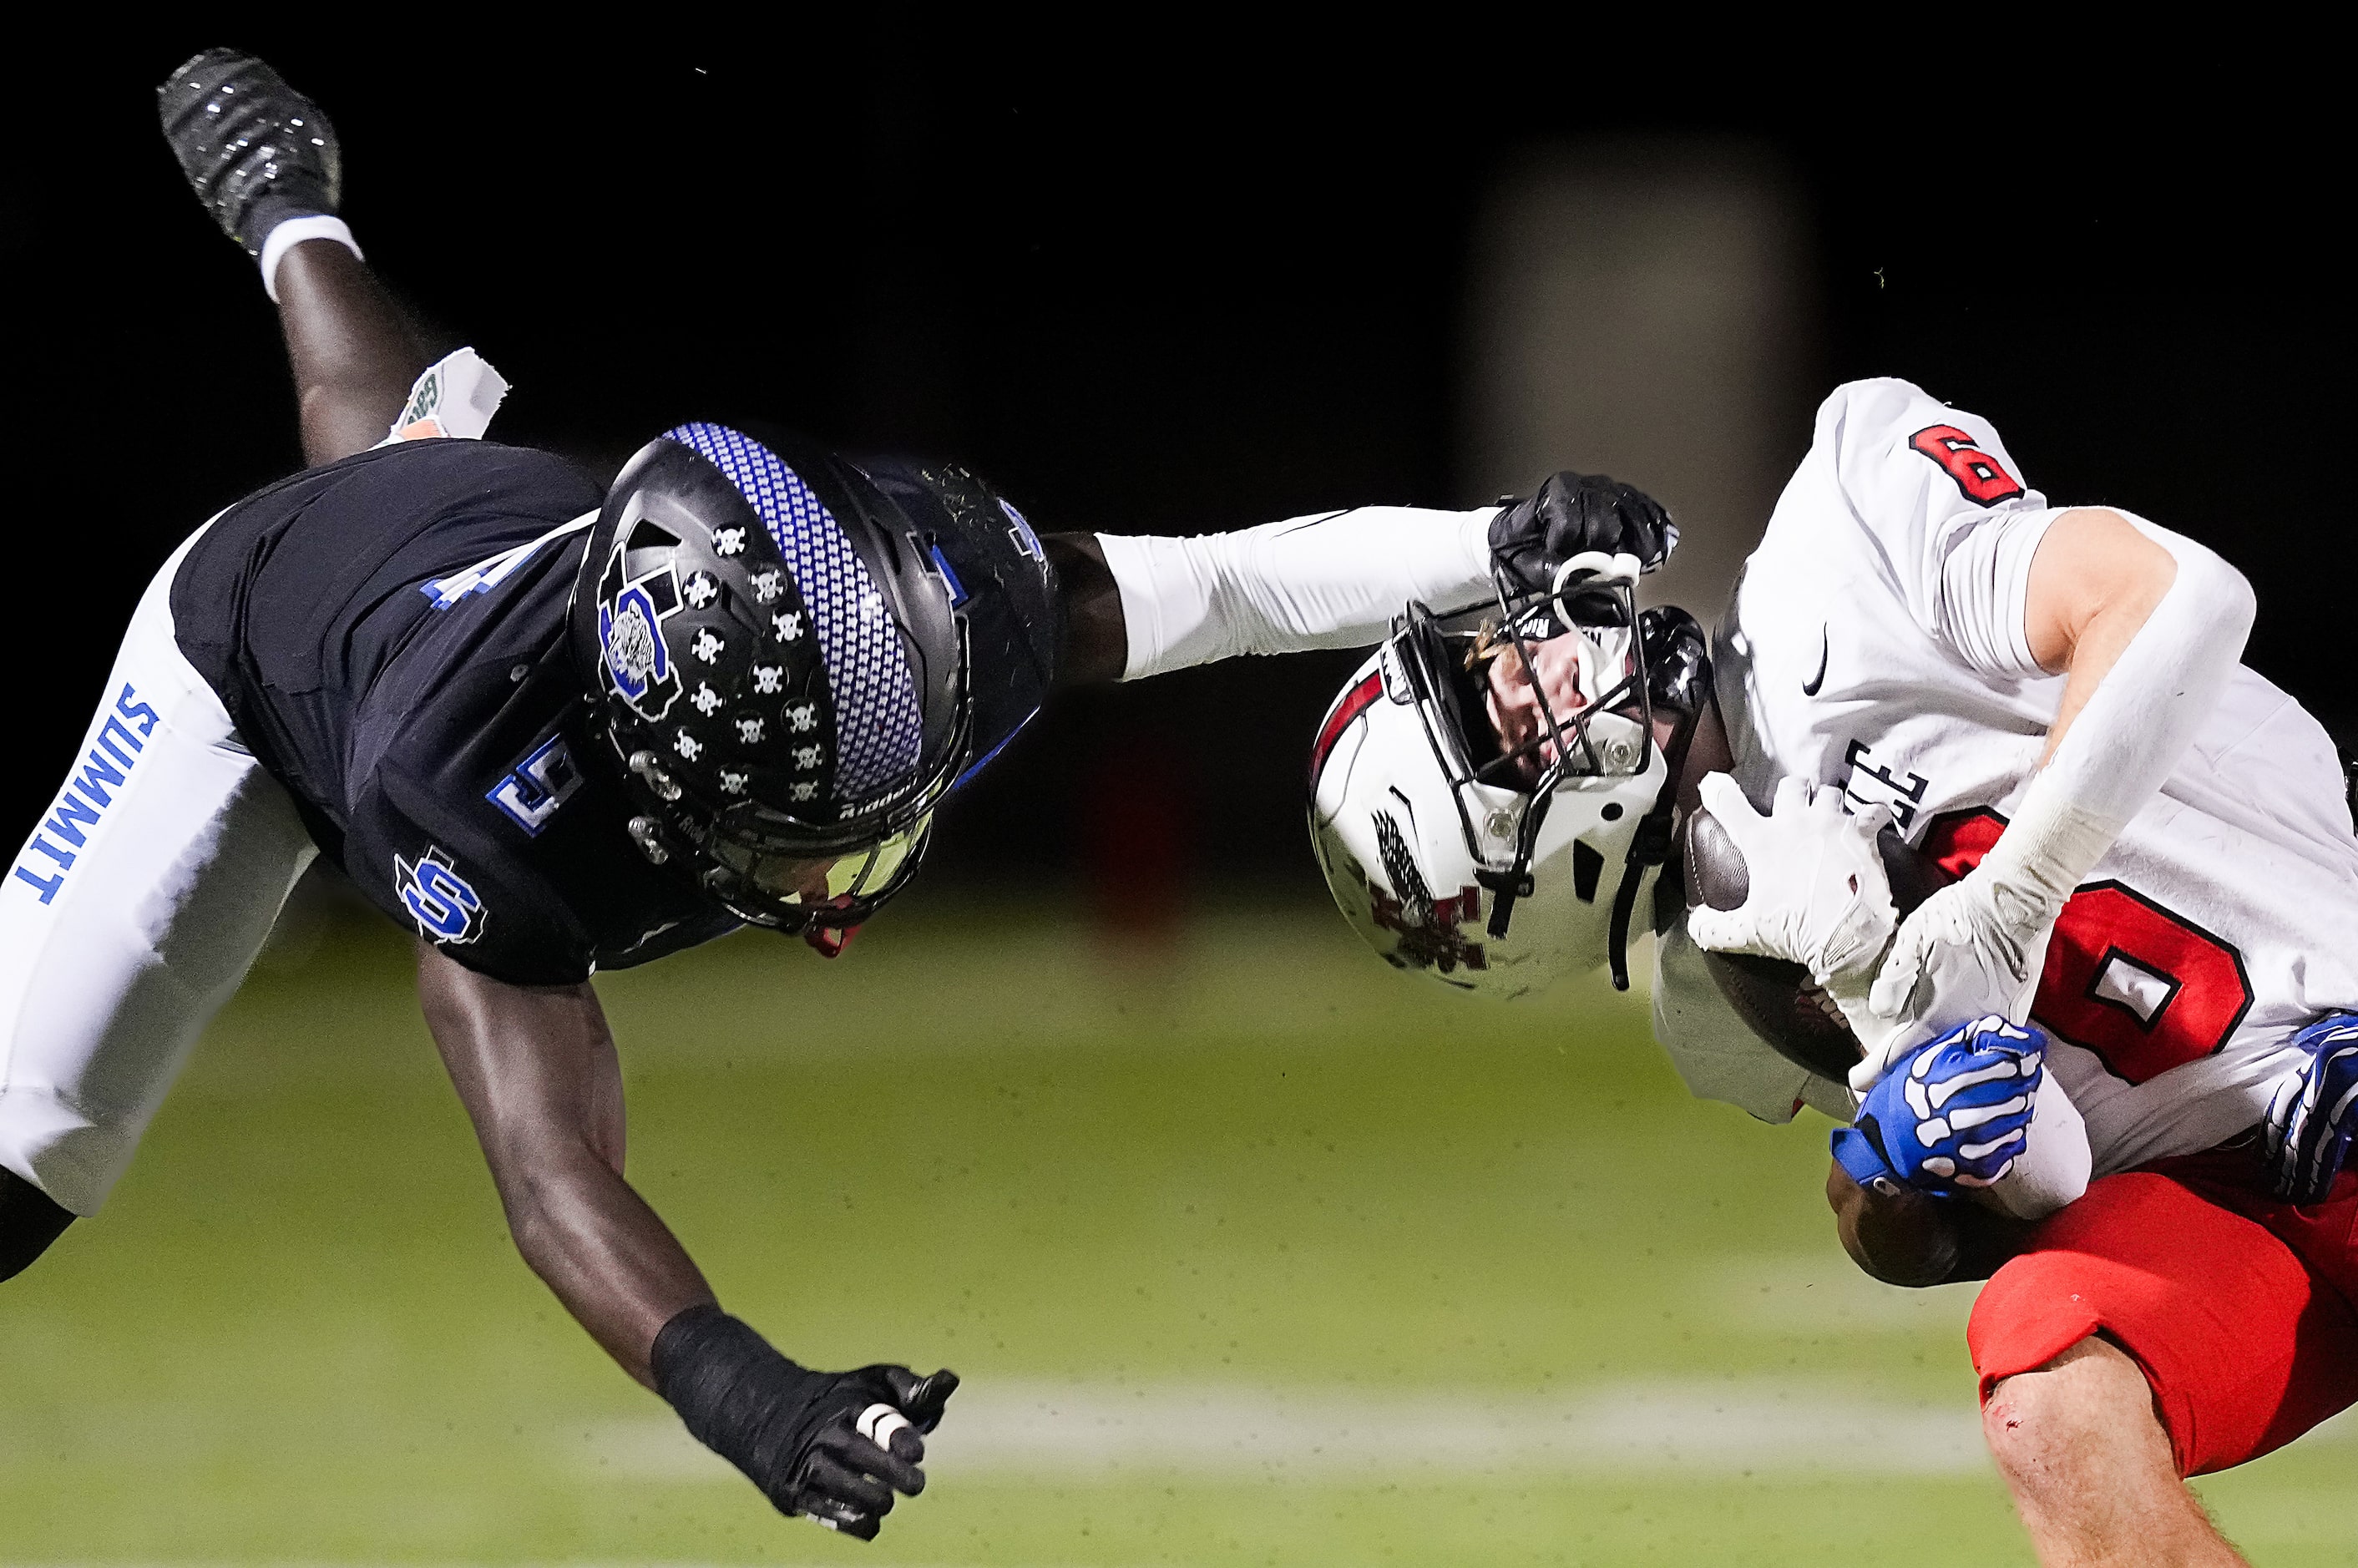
1155	283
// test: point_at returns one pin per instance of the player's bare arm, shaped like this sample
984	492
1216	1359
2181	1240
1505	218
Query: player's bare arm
537	1069
2094	582
1096	641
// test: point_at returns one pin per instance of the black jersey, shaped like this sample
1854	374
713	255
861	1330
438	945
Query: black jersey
388	633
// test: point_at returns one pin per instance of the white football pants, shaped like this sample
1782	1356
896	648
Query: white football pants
132	912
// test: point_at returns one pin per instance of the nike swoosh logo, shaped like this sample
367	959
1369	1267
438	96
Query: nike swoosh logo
1810	686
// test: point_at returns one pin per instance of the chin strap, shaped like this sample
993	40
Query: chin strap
1651	846
829	941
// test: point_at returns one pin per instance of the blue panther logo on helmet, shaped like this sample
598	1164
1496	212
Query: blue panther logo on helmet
629	634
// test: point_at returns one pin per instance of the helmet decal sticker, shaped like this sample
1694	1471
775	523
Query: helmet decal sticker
444	904
1427	928
879	729
629	634
1409	887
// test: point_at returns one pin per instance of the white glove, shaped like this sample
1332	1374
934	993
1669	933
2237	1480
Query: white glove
1818	893
1973	950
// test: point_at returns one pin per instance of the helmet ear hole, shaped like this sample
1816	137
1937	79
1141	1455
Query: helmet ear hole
1587	868
647	549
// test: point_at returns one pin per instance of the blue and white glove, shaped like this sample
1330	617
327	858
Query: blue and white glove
2311	1117
1955	1114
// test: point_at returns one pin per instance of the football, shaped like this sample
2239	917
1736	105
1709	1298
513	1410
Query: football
1777	999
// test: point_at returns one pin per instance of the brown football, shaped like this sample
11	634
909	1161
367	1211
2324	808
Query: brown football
1776	999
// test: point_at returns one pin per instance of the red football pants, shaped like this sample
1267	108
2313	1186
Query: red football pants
2236	1305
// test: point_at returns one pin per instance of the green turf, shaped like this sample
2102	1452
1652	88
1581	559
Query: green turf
298	1332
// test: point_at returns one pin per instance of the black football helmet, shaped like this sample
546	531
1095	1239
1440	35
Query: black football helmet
794	656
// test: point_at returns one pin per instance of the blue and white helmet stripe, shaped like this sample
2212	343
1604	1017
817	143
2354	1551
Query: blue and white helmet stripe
878	728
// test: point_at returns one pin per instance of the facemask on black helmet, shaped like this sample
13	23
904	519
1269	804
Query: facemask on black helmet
794	659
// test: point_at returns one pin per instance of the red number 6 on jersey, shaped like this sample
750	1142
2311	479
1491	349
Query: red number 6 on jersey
2144	988
1976	472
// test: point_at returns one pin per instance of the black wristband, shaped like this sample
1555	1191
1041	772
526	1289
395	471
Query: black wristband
737	1394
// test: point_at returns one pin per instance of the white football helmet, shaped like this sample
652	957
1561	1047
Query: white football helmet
1441	851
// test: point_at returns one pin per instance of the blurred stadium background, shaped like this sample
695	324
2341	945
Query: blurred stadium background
1250	1250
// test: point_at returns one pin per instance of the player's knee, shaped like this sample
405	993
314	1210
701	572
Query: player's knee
2045	1426
29	1221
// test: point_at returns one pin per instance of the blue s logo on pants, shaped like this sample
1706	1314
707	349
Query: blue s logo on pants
446	907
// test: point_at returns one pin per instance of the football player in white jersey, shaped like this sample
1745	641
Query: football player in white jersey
2156	868
2048	702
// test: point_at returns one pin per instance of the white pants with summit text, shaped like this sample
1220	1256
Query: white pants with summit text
132	914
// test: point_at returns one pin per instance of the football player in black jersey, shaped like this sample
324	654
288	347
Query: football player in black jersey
556	728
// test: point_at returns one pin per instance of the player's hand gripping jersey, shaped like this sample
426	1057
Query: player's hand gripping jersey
1877	644
389	634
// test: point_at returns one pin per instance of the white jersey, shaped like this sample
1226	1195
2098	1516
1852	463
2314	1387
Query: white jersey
1875	643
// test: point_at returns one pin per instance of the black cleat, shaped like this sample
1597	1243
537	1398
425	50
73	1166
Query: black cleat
255	151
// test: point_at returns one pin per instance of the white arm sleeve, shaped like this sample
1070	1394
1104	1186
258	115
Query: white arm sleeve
1333	580
2136	724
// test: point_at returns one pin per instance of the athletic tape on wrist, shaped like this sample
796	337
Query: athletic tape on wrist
734	1392
285	237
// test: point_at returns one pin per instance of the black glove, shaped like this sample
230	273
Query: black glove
255	151
835	1445
1576	512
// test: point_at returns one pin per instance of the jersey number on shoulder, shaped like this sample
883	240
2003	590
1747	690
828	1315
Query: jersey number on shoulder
1976	472
2142	987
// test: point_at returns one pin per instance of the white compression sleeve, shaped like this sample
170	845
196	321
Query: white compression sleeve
1333	581
2136	724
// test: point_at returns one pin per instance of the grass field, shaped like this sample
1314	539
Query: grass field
1263	1256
